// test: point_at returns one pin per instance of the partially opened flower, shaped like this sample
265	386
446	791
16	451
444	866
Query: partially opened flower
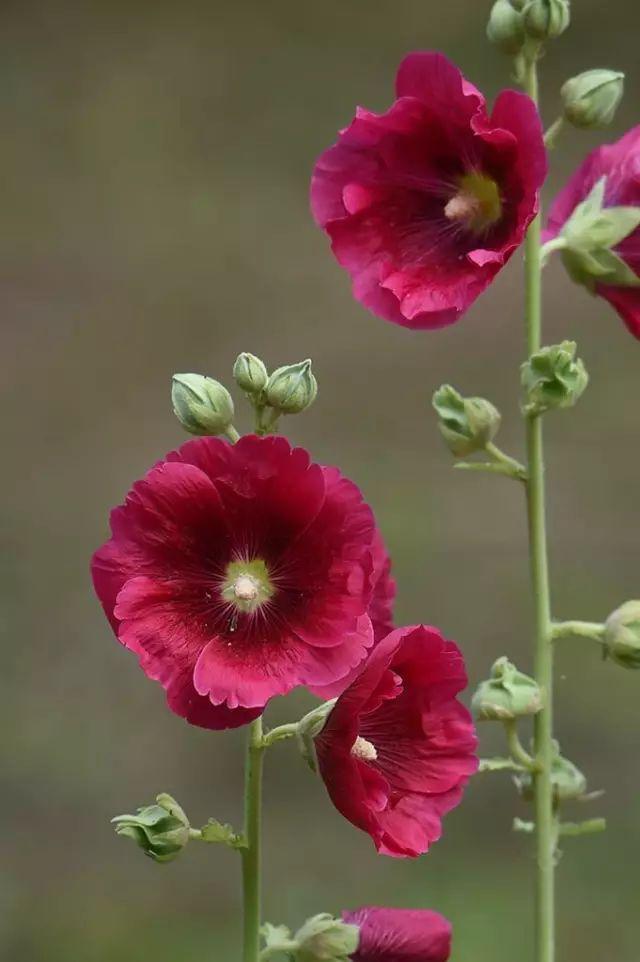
400	935
398	747
237	572
425	203
611	271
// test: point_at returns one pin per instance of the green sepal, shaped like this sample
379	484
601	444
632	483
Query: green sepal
223	834
553	378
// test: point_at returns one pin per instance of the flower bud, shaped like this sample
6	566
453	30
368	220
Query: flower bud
250	374
622	635
508	694
325	939
553	378
592	98
505	28
161	830
308	730
546	19
567	781
202	405
466	424
292	389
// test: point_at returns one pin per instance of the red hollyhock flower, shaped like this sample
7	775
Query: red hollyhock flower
619	163
398	748
425	203
400	935
236	572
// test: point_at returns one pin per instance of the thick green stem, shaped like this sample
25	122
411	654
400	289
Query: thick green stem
251	854
543	743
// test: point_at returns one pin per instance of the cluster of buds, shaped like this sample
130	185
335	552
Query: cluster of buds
553	378
204	406
513	24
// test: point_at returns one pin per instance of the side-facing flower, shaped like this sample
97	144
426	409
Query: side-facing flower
425	203
400	935
398	747
237	572
612	273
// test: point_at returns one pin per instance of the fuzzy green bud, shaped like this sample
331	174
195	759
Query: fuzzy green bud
508	694
553	378
546	19
591	99
250	374
201	404
292	389
505	28
622	635
567	781
466	424
161	830
325	939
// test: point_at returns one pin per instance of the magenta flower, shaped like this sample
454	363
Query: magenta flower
425	203
400	935
619	163
237	572
398	747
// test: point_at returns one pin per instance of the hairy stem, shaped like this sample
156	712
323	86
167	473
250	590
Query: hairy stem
543	733
251	882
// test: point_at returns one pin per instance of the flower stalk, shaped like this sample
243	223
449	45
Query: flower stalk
251	855
543	724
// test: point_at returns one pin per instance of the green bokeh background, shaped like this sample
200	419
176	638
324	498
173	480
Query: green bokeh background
155	163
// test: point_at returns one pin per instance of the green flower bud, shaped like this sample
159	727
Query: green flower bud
466	424
622	635
553	378
325	939
508	694
308	730
201	405
161	830
292	389
567	780
505	28
250	374
592	98
588	236
546	19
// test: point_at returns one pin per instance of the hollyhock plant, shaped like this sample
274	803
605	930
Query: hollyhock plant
400	935
398	748
619	165
426	202
237	572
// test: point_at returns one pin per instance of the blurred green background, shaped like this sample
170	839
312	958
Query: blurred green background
155	163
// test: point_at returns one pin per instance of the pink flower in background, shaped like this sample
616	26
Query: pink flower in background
425	203
619	163
400	935
237	572
398	747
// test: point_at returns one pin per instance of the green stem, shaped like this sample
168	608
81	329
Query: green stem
251	854
552	134
280	733
543	732
580	629
518	752
232	434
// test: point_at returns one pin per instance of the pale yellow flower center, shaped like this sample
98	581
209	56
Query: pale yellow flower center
364	750
246	588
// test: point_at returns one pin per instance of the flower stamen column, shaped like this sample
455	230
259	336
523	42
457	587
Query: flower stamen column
543	734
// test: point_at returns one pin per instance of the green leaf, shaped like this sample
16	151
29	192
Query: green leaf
217	832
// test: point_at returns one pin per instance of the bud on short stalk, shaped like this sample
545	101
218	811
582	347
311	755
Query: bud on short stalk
466	424
622	635
508	694
567	781
591	99
553	378
292	389
325	939
546	19
161	830
505	28
201	404
250	374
